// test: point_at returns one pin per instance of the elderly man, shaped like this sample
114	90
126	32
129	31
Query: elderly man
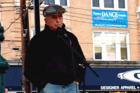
51	64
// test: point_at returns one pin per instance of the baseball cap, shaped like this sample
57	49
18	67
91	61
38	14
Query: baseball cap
53	9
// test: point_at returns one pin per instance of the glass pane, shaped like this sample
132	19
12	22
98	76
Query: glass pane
97	39
111	54
98	53
95	3
123	40
63	2
121	3
109	3
110	39
48	2
123	53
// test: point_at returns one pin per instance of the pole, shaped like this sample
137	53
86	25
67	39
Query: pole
25	40
37	16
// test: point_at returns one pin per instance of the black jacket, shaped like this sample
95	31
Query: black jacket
50	58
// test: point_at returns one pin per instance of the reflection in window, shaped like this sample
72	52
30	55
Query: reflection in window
63	2
111	53
95	3
48	2
121	3
113	4
97	39
110	39
109	3
123	53
98	53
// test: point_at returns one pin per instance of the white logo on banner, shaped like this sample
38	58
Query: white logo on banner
132	75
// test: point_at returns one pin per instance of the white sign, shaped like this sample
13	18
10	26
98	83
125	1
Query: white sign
132	75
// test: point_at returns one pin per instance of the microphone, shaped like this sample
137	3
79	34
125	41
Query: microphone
61	31
64	36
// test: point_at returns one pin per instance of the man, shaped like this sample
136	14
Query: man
54	55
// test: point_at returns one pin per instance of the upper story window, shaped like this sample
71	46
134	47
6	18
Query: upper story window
109	4
49	2
121	3
63	2
59	2
95	3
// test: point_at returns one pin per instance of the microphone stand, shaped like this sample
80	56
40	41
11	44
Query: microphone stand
86	65
84	62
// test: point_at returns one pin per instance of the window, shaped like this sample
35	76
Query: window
123	46
59	2
98	53
110	46
98	49
95	3
121	4
63	2
110	4
49	2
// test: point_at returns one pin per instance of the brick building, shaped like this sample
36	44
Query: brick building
108	30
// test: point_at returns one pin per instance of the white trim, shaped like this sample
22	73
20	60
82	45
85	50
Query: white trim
116	5
68	3
126	4
118	53
57	2
117	46
128	47
101	6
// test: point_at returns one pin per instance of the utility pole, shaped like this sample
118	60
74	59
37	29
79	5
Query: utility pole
37	16
25	40
25	35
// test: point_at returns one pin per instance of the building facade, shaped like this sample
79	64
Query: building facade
10	20
108	30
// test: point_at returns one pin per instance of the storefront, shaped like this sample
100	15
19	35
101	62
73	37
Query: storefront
112	77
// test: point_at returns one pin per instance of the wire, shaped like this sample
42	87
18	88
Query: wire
76	15
12	23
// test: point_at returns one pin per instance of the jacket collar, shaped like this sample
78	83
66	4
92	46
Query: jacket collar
47	28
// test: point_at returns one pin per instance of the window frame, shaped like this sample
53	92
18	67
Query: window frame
58	2
118	56
116	6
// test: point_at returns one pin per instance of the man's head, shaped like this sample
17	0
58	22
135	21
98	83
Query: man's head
54	16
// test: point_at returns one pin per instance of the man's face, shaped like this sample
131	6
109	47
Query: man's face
54	21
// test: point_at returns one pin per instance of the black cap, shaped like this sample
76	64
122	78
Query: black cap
53	9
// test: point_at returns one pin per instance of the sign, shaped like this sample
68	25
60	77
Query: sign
110	18
118	78
113	78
